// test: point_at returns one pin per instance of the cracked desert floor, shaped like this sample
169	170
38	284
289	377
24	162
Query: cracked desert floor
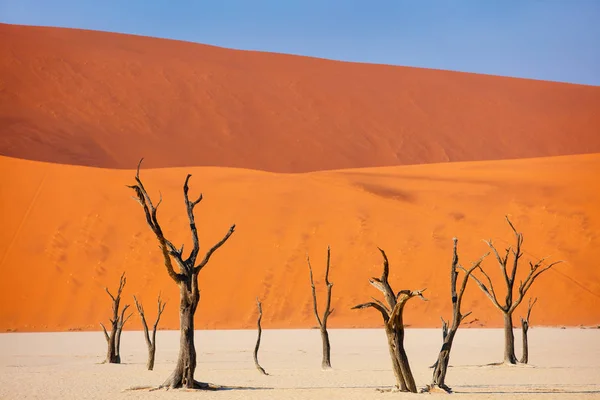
564	364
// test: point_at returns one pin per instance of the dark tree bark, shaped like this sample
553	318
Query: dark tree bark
113	340
326	361
150	341
524	329
511	303
391	312
257	346
186	278
438	381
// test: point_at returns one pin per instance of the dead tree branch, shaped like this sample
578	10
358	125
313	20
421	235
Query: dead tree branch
257	346
150	341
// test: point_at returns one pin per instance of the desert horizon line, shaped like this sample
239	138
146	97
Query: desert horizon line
317	171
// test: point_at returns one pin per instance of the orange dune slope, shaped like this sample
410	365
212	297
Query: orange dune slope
67	232
105	99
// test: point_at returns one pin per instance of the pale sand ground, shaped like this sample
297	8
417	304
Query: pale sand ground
565	364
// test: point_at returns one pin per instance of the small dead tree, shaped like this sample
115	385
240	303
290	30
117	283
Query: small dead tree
511	303
524	329
113	355
150	342
257	346
186	278
394	324
326	361
441	365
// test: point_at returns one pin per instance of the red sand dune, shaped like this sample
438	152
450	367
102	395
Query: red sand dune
105	99
102	99
68	231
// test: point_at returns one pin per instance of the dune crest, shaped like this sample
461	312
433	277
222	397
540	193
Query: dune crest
105	99
69	231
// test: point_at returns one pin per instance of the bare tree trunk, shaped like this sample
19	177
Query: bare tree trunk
448	333
186	279
111	354
118	345
407	375
444	334
391	339
441	368
183	376
326	360
394	325
257	346
117	321
524	330
150	342
509	340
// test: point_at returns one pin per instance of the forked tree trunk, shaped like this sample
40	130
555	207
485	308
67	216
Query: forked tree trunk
326	360
112	356
441	367
150	342
407	376
117	322
391	339
509	340
183	376
186	278
438	381
394	325
118	344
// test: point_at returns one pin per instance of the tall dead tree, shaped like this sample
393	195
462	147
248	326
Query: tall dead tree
113	354
150	341
394	324
441	366
257	346
524	329
509	275
326	361
186	278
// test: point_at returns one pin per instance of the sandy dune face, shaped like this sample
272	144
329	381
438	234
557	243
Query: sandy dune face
69	231
104	99
77	99
63	365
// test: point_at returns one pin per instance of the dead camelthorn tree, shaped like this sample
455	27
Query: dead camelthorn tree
326	361
257	346
394	324
509	275
150	342
186	278
449	332
524	329
113	355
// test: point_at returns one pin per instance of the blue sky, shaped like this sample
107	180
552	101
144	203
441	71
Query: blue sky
539	39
